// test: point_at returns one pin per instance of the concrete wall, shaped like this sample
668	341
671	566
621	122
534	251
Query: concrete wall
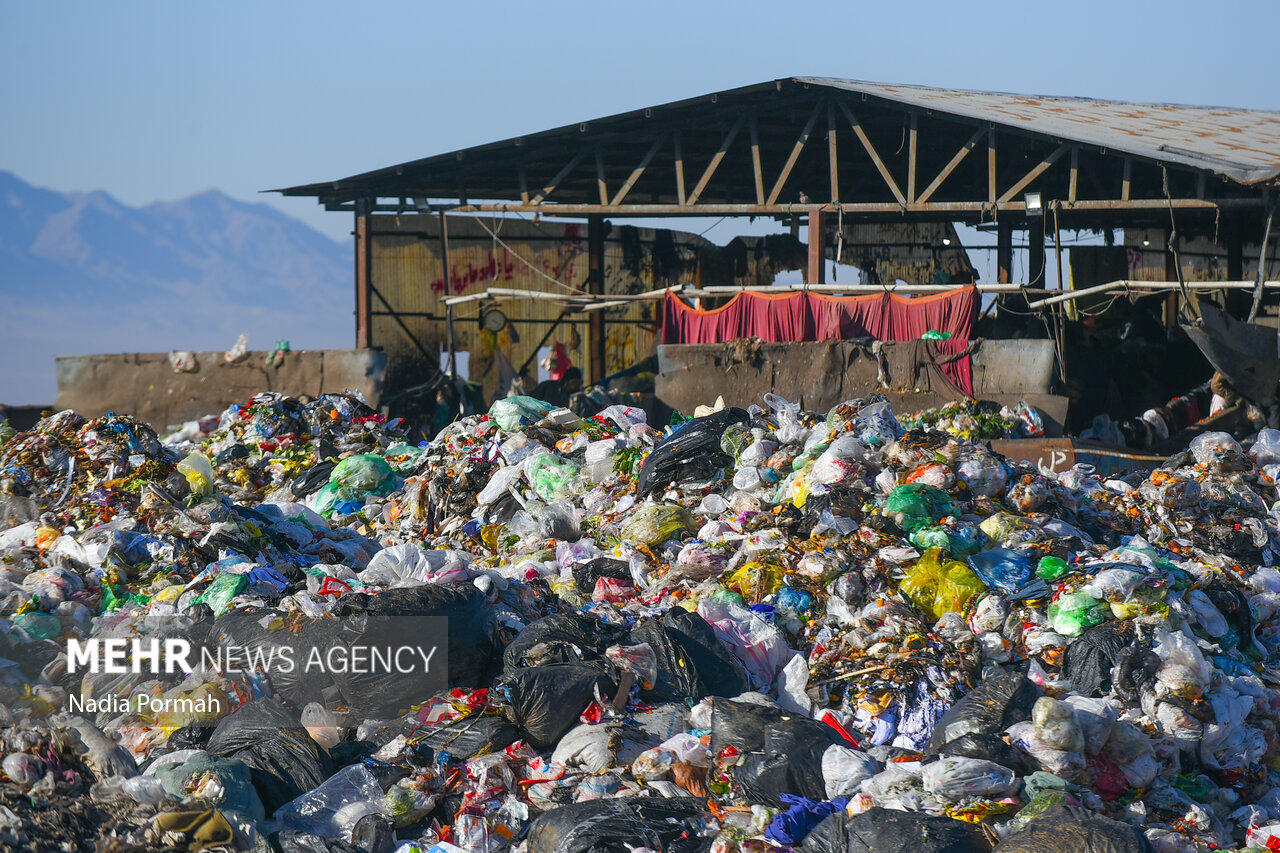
824	373
146	385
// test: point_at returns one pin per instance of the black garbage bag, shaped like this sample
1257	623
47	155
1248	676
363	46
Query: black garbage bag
1090	659
586	574
888	831
563	638
388	620
721	673
791	762
618	826
1070	829
994	705
263	632
677	675
546	701
694	447
478	734
991	747
741	725
315	478
1234	606
284	762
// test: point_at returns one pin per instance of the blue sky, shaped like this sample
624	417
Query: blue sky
155	101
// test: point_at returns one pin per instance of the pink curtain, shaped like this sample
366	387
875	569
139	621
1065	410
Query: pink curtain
800	316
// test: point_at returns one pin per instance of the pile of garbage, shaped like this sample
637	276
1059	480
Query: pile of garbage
978	419
754	629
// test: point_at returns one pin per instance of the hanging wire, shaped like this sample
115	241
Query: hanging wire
528	263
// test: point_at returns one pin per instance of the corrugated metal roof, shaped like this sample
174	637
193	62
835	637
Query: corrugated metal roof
1241	144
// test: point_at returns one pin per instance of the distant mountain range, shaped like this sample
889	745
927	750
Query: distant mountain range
81	272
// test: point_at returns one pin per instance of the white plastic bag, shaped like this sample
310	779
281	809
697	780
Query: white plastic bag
954	778
844	770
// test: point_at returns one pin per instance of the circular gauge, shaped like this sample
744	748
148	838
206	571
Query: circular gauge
493	320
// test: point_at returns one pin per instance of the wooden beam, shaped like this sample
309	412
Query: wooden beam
364	274
715	161
991	165
816	272
832	159
638	171
757	167
679	164
600	183
1004	251
1075	173
911	160
1033	174
794	155
560	176
875	158
951	166
1125	182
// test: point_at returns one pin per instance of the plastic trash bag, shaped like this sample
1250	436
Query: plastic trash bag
1001	568
333	807
913	506
550	475
614	825
937	586
844	769
1076	612
546	701
199	474
881	830
653	525
1068	829
696	444
367	472
994	705
283	760
953	778
511	413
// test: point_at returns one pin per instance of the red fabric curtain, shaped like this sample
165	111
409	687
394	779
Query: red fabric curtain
800	316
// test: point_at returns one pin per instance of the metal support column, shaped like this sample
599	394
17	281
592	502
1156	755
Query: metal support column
816	273
364	272
1004	251
596	228
1235	301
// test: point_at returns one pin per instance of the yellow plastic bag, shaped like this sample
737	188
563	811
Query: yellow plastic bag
937	586
755	580
199	473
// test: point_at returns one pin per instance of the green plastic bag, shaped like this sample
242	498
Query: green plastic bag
404	457
112	600
1051	568
511	413
38	625
1076	612
368	472
935	335
219	594
937	586
654	525
916	505
550	476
